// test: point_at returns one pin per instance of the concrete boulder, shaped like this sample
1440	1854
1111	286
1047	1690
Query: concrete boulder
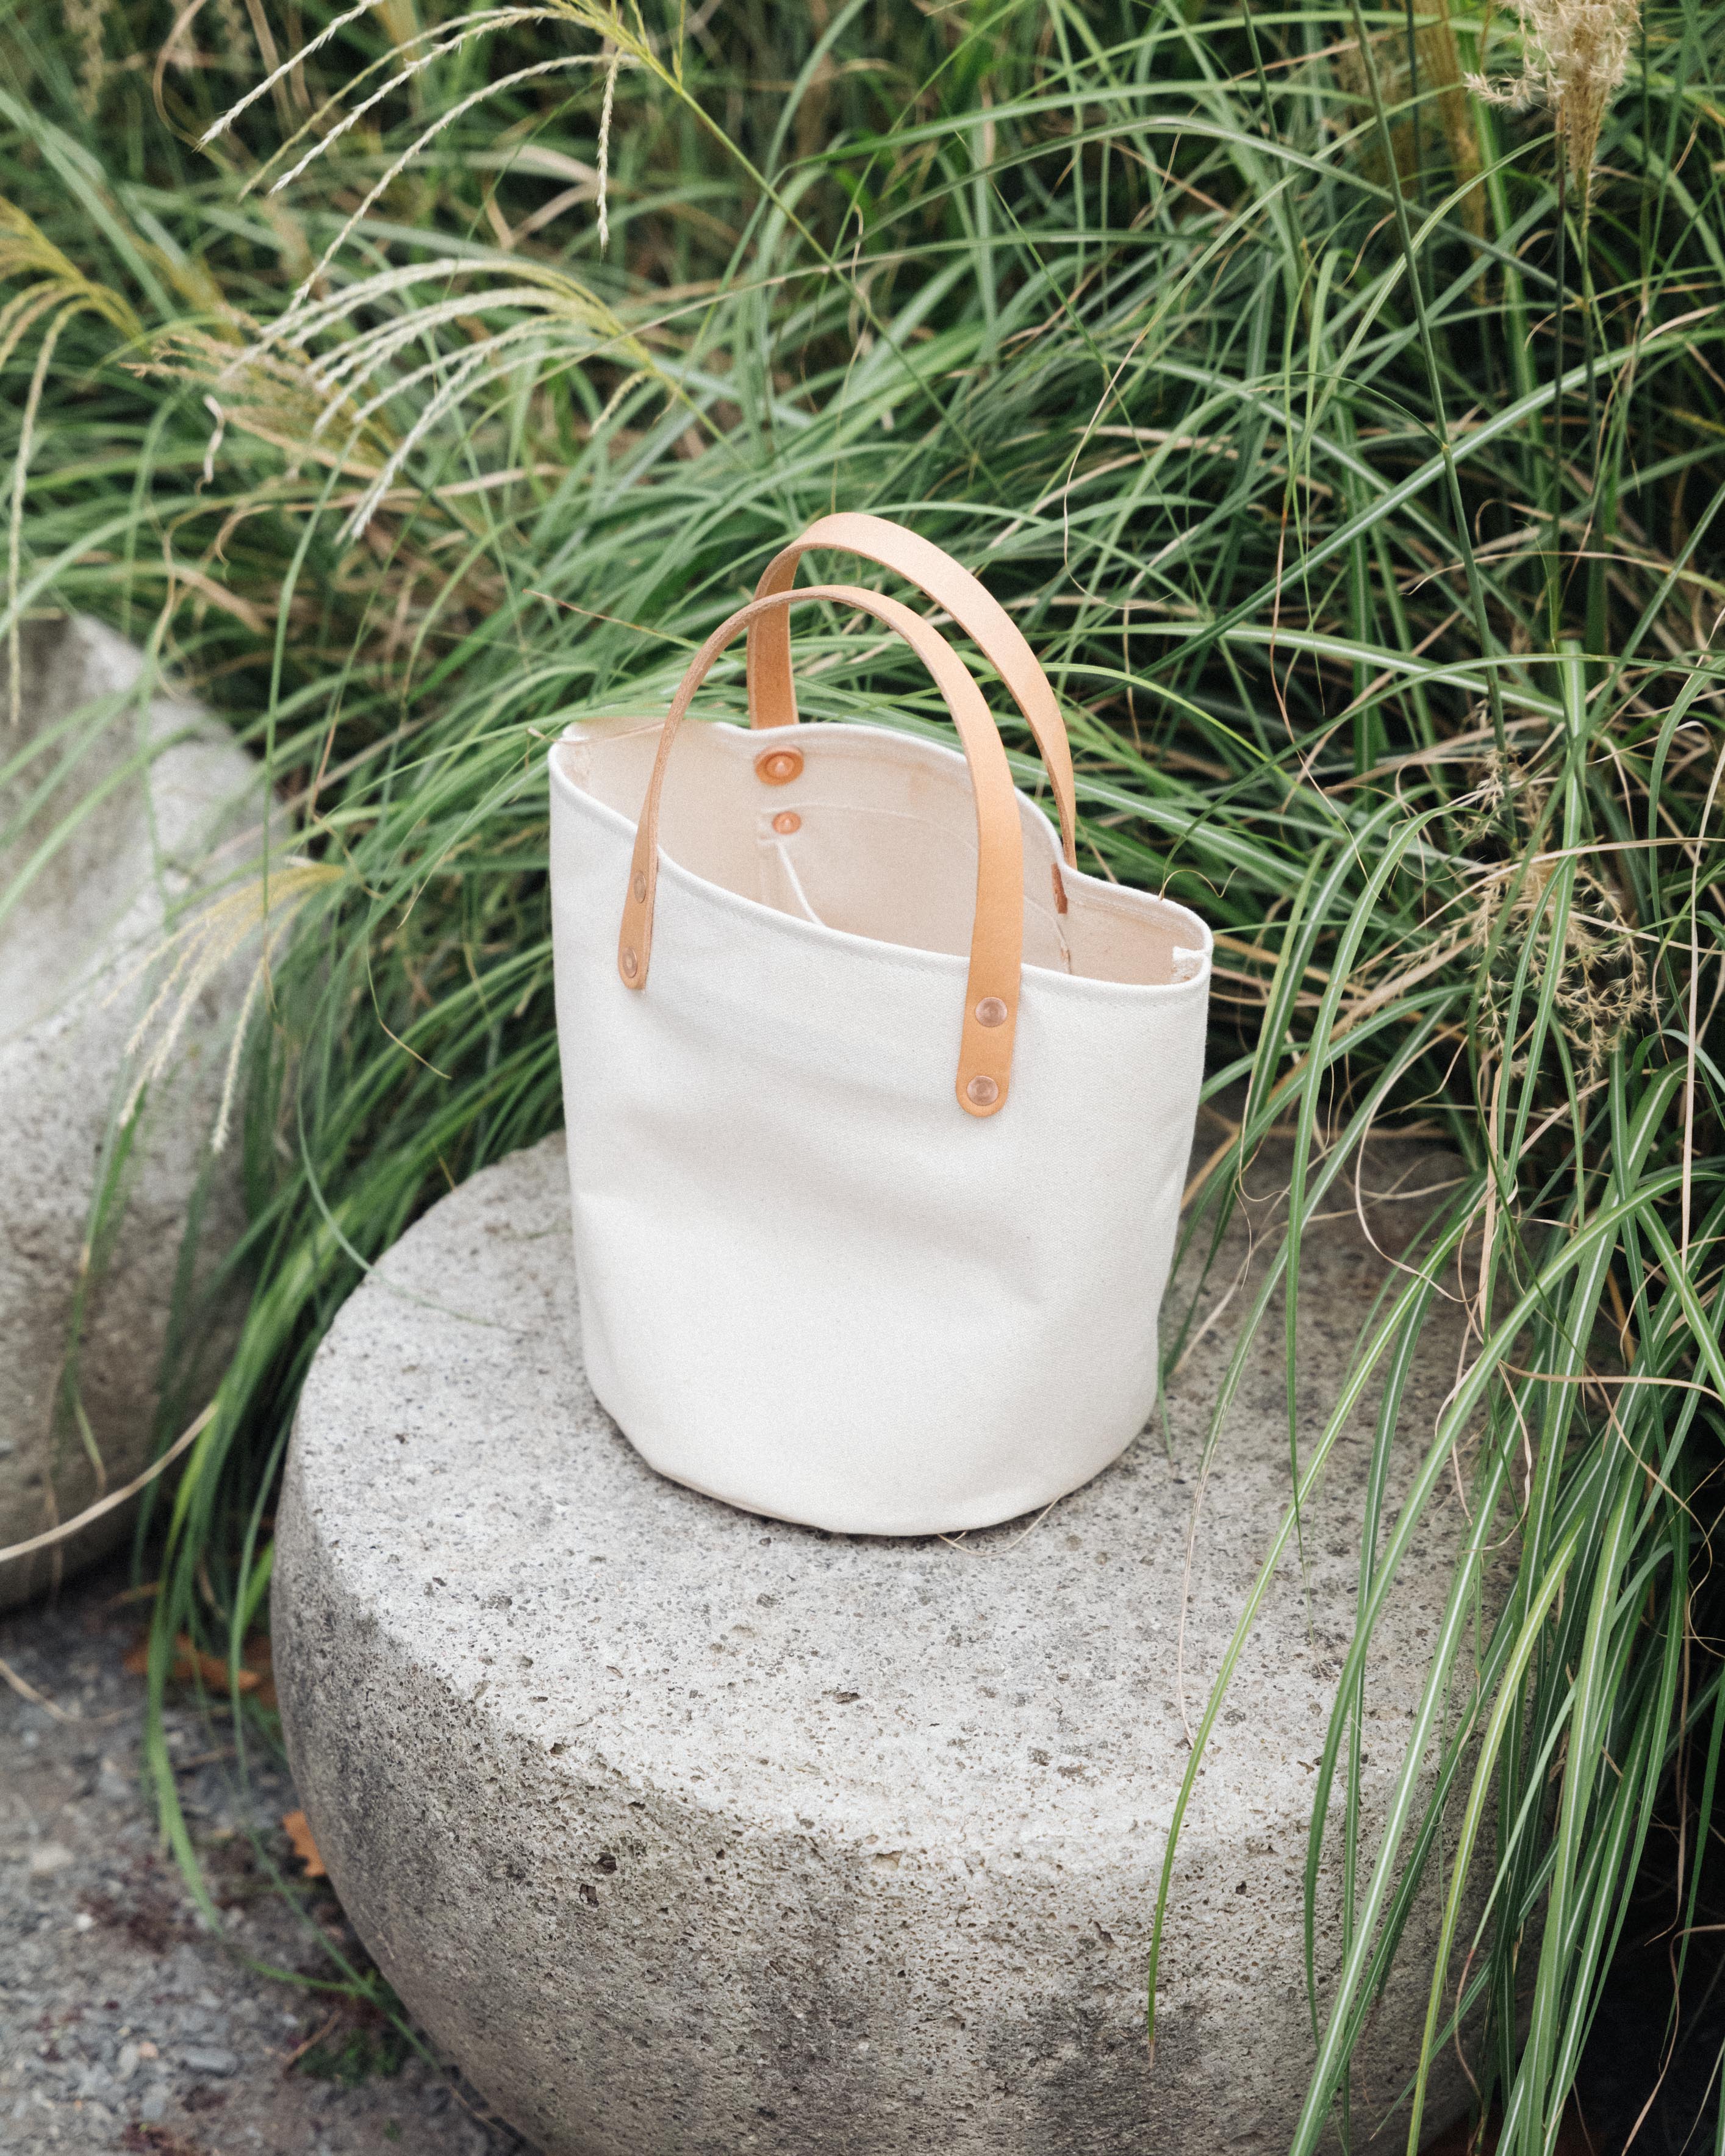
690	1833
118	808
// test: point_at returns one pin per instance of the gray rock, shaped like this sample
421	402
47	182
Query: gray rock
208	2059
139	807
689	1833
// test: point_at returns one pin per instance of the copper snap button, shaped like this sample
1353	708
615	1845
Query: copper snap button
631	966
983	1091
778	766
786	821
991	1011
640	888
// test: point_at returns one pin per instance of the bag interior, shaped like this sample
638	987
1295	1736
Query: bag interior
883	846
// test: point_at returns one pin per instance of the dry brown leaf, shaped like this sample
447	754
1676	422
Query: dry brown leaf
190	1661
259	1655
299	1832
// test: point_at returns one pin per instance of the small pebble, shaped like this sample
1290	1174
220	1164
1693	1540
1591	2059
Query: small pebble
208	2059
154	2106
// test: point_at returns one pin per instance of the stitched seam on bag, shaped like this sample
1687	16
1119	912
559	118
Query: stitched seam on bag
773	849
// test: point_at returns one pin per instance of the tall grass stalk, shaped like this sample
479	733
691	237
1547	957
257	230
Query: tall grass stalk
1229	345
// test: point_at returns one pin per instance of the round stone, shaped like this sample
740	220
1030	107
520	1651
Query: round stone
137	1332
690	1833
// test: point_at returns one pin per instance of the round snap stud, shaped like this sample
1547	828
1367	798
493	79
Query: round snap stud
631	965
786	821
640	888
778	766
991	1011
983	1091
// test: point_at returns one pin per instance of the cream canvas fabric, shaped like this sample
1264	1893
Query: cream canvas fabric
813	1282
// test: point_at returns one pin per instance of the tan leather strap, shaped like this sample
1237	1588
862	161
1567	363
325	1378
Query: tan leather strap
772	697
991	1005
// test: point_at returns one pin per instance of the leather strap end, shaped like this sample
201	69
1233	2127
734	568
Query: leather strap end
984	1070
634	939
991	1016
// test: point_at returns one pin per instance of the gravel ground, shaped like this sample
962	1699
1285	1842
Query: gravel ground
128	2022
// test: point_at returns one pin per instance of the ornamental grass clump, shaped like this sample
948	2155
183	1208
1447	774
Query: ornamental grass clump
1238	351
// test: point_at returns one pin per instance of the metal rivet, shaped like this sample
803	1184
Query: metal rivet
991	1011
631	965
786	821
640	888
983	1091
778	766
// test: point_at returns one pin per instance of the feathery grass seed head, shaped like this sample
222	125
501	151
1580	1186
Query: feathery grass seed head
1576	55
1602	989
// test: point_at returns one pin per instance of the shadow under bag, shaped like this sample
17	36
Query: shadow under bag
878	1110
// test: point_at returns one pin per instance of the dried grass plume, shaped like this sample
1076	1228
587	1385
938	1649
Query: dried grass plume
1576	58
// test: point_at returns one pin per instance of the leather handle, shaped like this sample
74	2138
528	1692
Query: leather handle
772	696
991	995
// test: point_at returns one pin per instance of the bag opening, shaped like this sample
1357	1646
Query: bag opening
873	835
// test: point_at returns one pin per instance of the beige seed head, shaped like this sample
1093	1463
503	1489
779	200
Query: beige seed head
1577	57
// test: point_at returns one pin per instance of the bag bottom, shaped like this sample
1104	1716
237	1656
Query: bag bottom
859	1517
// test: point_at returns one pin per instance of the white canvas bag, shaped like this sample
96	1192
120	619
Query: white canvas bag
879	1110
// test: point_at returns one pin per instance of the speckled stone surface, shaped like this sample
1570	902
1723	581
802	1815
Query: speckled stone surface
692	1834
119	850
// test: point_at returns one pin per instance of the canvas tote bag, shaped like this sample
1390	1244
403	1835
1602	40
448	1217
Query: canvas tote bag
879	1110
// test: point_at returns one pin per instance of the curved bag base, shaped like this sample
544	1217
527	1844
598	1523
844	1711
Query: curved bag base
962	1519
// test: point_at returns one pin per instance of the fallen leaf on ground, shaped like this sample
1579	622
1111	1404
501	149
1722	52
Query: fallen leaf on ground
190	1661
299	1832
258	1654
